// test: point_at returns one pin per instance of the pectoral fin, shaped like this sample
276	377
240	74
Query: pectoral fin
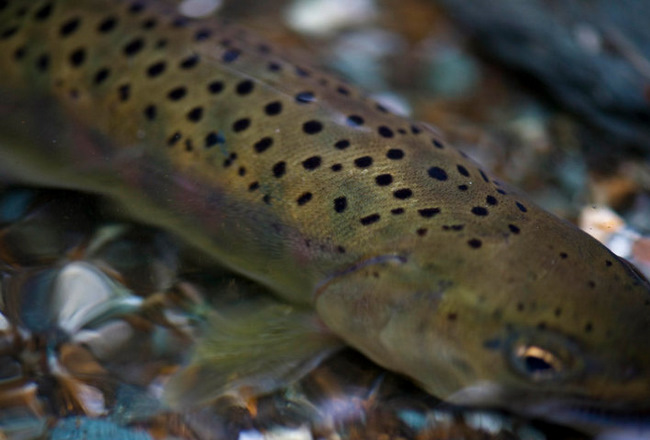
256	348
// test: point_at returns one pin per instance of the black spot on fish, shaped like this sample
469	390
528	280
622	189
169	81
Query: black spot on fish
514	229
475	243
342	144
312	127
438	173
136	8
363	162
273	108
214	138
263	144
101	75
189	62
274	67
370	219
463	187
195	114
107	25
43	12
241	124
245	87
312	163
19	53
215	87
177	93
354	121
491	200
340	204
124	92
403	193
173	139
428	212
69	27
479	210
336	167
150	112
521	207
500	191
462	170
564	255
133	47
230	55
43	62
422	232
6	34
77	57
395	154
304	198
156	69
343	91
384	179
397	211
385	132
484	176
436	143
149	24
253	186
279	169
415	129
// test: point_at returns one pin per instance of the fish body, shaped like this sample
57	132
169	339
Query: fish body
404	247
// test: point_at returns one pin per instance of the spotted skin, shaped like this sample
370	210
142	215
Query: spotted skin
406	248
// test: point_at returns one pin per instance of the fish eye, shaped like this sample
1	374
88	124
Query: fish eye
537	363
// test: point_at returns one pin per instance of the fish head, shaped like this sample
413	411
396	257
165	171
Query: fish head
549	324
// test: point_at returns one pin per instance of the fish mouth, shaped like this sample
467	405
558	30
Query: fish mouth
590	415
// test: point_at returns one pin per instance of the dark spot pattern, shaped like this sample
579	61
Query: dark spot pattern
403	193
384	179
428	212
304	198
370	219
340	204
69	27
279	169
263	144
156	69
273	108
397	211
342	144
189	62
107	25
363	162
101	75
245	87
312	127
514	229
312	163
354	121
77	57
150	112
177	93
438	174
195	115
521	207
395	154
133	47
475	243
385	132
491	200
44	12
241	124
215	87
214	138
480	211
462	170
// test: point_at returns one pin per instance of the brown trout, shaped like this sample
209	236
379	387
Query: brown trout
406	249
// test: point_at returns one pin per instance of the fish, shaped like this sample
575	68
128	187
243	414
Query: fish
370	227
